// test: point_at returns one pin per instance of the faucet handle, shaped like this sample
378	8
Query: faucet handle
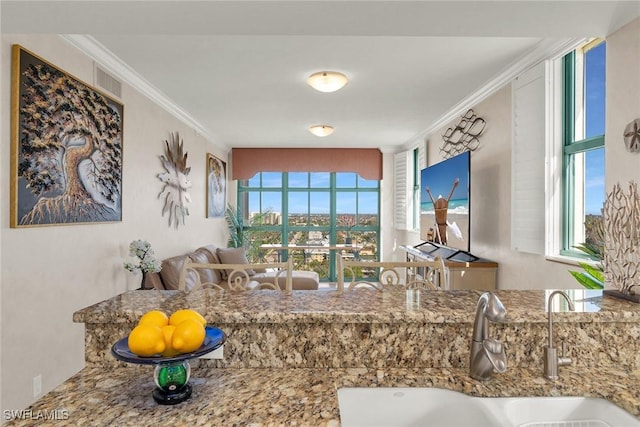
563	360
494	351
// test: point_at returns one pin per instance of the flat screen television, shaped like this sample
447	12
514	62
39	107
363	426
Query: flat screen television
445	196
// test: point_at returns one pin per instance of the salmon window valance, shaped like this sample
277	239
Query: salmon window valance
246	162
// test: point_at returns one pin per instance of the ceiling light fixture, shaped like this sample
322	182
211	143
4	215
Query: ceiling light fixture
321	130
327	81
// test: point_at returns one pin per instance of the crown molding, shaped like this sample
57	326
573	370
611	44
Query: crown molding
386	149
545	49
122	71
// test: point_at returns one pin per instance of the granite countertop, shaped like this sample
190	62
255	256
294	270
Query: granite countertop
264	325
289	397
360	305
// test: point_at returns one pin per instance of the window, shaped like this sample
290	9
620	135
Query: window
583	128
311	208
416	188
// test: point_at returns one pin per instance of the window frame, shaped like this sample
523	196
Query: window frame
571	147
243	190
415	223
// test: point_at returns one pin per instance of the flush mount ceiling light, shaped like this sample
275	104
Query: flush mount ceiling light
321	130
327	81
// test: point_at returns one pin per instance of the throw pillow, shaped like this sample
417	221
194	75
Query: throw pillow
170	273
207	275
212	253
234	256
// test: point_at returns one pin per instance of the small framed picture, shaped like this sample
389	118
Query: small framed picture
216	186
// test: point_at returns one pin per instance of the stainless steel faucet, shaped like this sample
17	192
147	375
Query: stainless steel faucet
487	353
551	359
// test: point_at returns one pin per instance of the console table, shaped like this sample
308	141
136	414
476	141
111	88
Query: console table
478	274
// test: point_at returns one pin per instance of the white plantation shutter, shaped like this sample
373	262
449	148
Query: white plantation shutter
422	157
528	162
401	193
406	211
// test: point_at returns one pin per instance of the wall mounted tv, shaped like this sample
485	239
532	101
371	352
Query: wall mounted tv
445	196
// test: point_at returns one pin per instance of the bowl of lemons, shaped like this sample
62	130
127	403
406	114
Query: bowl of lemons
169	341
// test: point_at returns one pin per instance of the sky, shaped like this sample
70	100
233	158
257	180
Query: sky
319	203
595	125
439	178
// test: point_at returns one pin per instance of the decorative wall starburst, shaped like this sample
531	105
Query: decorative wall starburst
175	191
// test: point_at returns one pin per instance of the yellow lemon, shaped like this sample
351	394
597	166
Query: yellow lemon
180	315
154	317
188	336
169	351
146	340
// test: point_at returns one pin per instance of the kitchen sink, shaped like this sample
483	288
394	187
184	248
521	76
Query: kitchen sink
413	407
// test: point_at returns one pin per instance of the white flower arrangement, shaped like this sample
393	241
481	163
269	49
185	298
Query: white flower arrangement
147	263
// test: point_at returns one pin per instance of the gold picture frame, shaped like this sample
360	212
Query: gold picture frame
66	147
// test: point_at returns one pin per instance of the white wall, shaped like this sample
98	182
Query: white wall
2	216
623	103
48	273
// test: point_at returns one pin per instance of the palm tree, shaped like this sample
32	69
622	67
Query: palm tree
592	275
248	234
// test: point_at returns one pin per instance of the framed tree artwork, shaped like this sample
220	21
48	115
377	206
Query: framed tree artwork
66	147
216	186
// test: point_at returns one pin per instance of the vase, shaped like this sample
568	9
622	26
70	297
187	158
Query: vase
172	382
144	277
348	241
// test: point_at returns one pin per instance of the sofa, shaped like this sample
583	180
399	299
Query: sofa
168	278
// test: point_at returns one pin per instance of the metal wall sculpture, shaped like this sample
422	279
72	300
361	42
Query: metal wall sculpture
621	259
632	136
66	147
175	191
463	136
